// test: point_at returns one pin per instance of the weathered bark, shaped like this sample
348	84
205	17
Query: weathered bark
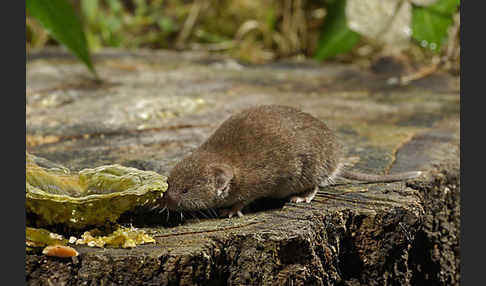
154	107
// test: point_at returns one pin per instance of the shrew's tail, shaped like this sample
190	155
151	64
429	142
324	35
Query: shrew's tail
379	178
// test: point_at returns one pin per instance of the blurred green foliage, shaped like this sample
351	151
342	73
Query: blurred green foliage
251	30
430	23
336	38
127	24
59	18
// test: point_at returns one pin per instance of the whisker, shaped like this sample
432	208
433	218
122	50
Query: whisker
191	215
213	212
206	211
203	214
162	210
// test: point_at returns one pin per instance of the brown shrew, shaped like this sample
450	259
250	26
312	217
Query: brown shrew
264	151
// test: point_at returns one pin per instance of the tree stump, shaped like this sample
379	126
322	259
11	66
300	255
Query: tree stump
153	107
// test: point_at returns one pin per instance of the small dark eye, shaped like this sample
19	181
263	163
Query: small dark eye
185	191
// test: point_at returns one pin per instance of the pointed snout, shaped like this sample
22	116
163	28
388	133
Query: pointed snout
171	200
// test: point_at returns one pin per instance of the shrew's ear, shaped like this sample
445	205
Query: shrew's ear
223	174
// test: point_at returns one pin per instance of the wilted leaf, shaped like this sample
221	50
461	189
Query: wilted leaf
336	38
423	2
386	22
60	20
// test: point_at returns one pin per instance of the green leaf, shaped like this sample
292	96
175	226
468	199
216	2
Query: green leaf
446	7
336	38
60	20
430	24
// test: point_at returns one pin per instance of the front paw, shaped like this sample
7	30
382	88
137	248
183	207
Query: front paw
231	212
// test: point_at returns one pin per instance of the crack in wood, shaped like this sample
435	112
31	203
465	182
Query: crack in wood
208	231
397	149
362	203
36	140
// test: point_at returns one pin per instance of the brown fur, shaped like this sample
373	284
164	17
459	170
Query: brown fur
264	151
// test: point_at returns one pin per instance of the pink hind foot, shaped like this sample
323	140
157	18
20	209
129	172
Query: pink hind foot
235	210
306	197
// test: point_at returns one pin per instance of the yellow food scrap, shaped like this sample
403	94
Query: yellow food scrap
122	237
